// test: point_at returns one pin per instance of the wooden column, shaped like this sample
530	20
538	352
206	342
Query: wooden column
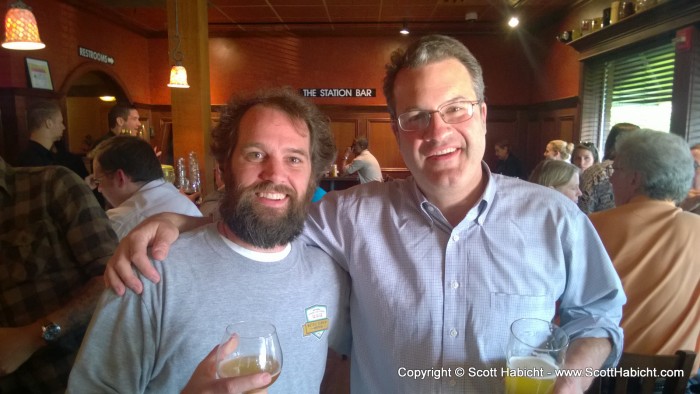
191	108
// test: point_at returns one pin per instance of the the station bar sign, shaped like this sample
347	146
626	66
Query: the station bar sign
338	92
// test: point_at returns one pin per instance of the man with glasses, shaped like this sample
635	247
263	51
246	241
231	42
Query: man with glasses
128	174
443	262
692	201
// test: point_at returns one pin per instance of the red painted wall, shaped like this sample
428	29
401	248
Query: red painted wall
63	29
243	64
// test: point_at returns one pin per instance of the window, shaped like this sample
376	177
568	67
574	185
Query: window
628	86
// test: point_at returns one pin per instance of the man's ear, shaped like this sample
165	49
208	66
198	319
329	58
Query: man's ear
121	177
637	181
120	121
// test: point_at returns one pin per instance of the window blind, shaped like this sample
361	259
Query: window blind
642	76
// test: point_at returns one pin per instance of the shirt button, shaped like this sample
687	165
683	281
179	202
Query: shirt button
455	237
453	383
453	332
454	284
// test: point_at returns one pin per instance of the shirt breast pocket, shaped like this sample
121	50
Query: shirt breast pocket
25	253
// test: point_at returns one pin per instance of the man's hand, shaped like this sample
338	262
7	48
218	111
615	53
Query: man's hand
157	231
17	344
204	379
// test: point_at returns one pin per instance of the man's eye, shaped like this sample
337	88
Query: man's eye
453	109
295	160
254	155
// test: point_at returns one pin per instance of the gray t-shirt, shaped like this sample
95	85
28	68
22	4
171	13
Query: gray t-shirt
154	341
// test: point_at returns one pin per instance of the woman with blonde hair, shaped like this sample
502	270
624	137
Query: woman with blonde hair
558	150
559	175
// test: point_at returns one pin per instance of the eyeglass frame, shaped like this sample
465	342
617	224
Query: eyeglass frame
439	111
96	180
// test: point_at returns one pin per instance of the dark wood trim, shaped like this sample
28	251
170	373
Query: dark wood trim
664	18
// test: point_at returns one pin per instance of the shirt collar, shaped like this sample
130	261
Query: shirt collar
477	213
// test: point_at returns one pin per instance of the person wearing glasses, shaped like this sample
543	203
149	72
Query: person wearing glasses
128	174
653	243
585	155
692	201
443	262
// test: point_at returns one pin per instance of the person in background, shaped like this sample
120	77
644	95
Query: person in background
692	201
560	176
210	202
127	172
558	150
45	124
272	148
364	163
443	262
508	164
122	119
585	155
653	244
54	243
596	190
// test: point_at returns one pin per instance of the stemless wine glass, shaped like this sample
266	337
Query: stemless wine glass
258	350
536	349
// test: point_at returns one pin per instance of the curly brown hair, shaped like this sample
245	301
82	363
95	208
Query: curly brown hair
225	135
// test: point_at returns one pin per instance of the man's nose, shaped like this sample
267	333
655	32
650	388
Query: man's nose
437	128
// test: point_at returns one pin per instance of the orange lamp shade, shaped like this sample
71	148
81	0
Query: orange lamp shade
21	30
178	77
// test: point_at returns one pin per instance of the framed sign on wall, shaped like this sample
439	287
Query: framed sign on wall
38	74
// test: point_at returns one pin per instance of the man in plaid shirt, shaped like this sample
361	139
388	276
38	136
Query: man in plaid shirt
54	243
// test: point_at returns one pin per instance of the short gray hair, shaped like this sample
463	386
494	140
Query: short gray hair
663	160
427	50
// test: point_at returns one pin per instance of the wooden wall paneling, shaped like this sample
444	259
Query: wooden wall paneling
383	145
344	131
535	145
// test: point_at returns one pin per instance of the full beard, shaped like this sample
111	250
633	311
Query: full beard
261	226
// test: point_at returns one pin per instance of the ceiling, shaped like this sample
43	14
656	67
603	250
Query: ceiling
334	17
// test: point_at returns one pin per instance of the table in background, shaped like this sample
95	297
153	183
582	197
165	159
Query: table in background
338	183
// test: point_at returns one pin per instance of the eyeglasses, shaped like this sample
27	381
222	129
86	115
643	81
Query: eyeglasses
456	112
95	181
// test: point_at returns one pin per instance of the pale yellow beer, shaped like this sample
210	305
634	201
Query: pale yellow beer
539	379
249	365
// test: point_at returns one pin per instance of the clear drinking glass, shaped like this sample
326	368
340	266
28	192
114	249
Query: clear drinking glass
258	350
536	349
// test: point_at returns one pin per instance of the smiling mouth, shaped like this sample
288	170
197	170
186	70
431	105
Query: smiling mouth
443	152
271	195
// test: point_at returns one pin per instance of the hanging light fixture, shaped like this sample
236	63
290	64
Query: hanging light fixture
21	30
404	30
178	73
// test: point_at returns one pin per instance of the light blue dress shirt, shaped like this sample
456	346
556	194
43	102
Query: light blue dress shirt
431	297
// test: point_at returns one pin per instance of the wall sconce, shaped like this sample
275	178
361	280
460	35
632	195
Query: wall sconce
21	30
404	29
108	98
178	73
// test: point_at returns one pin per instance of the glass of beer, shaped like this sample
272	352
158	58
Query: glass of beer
247	348
536	350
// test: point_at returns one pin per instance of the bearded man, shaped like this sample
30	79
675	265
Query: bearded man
273	148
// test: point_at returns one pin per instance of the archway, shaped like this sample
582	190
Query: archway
86	112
